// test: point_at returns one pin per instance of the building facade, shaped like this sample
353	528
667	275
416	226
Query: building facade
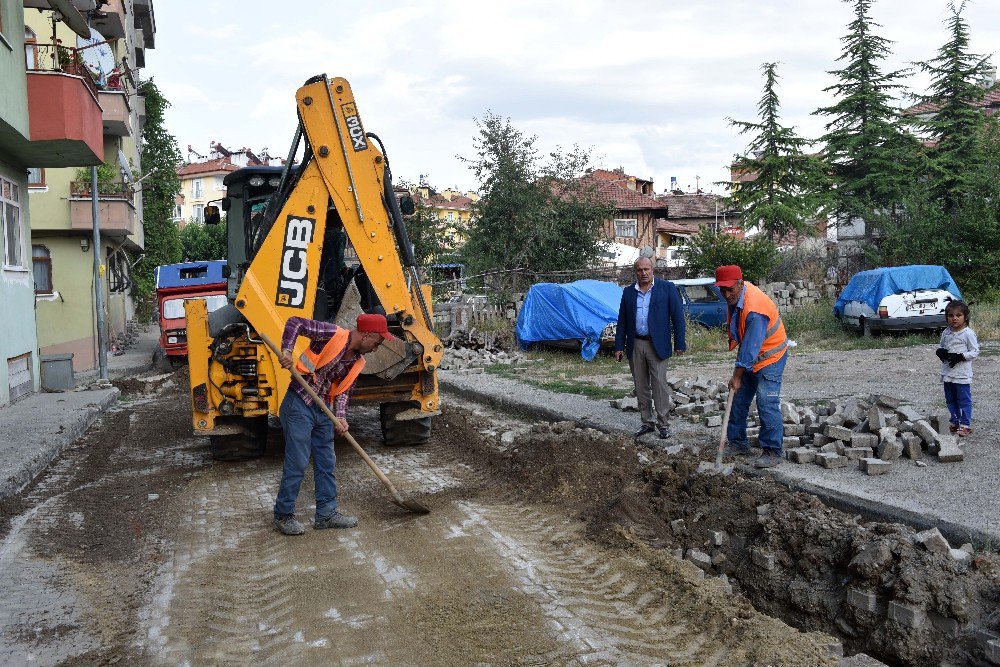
36	135
201	178
60	198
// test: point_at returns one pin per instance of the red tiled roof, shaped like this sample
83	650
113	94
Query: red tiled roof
440	201
691	206
222	164
670	227
619	195
990	103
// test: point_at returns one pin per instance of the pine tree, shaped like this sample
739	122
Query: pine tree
871	158
790	185
160	159
957	125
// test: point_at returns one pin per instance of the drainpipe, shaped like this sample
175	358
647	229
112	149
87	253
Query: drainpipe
102	344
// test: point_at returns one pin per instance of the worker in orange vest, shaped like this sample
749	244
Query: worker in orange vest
755	327
330	366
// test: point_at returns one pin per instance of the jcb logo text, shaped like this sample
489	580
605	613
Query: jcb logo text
354	128
294	262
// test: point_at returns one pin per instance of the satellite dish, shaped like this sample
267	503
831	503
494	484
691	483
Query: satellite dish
96	53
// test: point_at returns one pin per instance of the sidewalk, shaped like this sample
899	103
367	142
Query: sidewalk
39	427
959	499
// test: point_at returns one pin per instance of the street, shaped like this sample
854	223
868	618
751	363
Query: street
135	547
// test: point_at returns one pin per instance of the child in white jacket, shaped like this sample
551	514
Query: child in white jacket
959	346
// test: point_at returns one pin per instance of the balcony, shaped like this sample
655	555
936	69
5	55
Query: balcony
145	21
64	114
111	22
115	208
117	117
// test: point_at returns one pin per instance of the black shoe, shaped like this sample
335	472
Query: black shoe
335	520
732	450
289	525
646	428
768	459
665	432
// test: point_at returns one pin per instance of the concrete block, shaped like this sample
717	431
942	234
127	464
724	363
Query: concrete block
863	600
887	433
869	440
911	617
992	651
795	429
887	401
934	542
908	413
678	526
718	538
905	427
699	558
832	447
926	433
948	626
891	419
819	439
961	555
949	451
789	414
681	399
857	453
876	418
872	466
942	420
791	442
836	419
889	450
832	460
714	420
802	455
911	446
762	559
840	432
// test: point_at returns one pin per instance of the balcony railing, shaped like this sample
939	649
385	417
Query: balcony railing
104	190
58	58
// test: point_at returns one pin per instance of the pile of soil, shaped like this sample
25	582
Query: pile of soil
819	553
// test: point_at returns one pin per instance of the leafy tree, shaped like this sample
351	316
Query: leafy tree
708	250
535	216
426	235
957	126
160	159
203	242
871	158
790	186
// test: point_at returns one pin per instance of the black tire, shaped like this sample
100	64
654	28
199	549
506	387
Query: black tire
240	447
409	432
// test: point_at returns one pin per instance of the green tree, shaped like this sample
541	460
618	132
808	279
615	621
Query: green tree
203	242
424	230
790	186
957	125
709	249
533	215
160	159
871	158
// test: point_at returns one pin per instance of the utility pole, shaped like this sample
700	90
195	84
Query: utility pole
102	343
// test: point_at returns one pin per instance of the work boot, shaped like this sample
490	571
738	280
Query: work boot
768	459
665	432
288	525
335	520
646	428
733	450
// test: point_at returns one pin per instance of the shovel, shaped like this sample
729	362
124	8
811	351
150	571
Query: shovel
410	505
704	466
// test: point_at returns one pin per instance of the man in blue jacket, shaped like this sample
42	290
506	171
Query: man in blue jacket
651	310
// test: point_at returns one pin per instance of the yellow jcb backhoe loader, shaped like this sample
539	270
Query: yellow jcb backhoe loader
287	231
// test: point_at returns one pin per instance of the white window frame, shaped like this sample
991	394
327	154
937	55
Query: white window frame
178	212
197	188
624	225
13	254
198	213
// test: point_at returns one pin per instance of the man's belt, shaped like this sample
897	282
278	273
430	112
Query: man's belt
638	337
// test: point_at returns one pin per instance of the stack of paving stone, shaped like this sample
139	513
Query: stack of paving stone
873	432
789	296
472	350
698	400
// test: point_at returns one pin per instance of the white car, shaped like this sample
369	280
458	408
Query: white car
907	311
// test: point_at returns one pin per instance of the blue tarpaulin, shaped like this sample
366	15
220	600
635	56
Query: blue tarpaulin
579	310
874	285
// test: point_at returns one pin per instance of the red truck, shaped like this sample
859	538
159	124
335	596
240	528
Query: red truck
188	280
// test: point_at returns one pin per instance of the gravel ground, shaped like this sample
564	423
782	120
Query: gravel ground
960	498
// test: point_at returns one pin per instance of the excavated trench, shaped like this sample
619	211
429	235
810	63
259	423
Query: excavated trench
793	557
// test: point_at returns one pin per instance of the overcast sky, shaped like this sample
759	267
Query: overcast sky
645	85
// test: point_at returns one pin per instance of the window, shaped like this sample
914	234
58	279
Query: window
178	214
198	188
119	272
30	49
36	177
10	213
199	213
451	217
174	308
700	294
41	266
627	228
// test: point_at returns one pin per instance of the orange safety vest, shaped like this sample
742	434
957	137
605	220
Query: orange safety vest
309	361
775	340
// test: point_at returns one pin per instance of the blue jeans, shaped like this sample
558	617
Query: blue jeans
307	431
959	400
765	385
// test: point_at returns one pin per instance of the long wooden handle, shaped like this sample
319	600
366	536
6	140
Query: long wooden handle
333	418
725	427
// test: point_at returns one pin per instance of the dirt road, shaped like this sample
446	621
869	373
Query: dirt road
135	547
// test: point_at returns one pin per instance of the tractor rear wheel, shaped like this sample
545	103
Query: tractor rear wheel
241	446
398	433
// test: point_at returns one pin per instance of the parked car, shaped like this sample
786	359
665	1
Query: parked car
703	301
898	298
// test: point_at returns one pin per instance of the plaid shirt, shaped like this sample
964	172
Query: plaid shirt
324	377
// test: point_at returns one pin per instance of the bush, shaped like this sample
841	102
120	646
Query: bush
800	264
708	250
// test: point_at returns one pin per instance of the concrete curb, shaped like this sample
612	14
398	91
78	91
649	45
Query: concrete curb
46	446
